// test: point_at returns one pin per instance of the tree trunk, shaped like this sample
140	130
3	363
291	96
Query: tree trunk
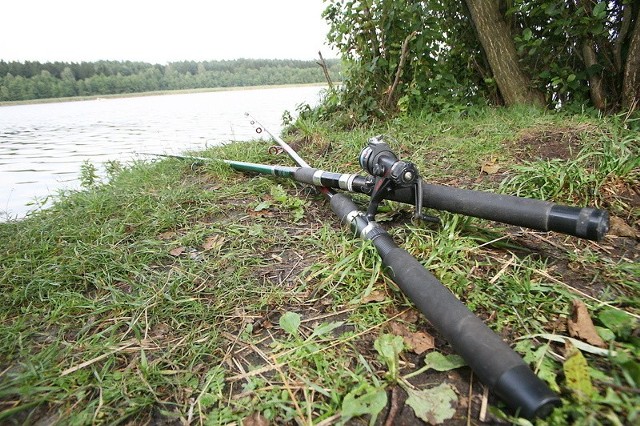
596	88
631	78
595	81
403	57
495	38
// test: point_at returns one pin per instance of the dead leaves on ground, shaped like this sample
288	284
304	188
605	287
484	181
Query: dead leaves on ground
490	167
177	251
581	327
418	341
212	243
255	419
576	371
375	296
620	228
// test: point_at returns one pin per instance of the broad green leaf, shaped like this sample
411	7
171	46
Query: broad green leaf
631	372
262	206
577	377
619	322
389	347
439	362
364	400
324	328
600	10
434	405
606	334
290	322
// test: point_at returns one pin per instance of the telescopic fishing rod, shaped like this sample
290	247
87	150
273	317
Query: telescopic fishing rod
492	360
582	222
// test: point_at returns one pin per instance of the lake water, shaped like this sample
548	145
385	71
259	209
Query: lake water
43	146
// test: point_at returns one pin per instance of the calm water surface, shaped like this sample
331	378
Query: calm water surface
42	146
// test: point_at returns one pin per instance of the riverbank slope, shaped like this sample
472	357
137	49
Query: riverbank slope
176	293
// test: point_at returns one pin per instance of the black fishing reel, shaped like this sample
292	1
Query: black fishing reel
378	160
390	173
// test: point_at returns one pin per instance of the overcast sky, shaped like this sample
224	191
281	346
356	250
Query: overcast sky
161	31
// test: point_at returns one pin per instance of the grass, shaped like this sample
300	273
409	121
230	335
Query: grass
179	294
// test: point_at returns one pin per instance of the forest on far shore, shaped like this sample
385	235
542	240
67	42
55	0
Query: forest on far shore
20	81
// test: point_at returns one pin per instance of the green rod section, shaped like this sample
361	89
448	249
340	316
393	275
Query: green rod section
266	169
262	168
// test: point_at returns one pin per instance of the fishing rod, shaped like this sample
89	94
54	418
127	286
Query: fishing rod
492	360
397	180
583	222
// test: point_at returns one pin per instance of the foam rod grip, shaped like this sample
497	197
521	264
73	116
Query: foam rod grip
583	222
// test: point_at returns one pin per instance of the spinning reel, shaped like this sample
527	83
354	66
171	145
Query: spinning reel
388	173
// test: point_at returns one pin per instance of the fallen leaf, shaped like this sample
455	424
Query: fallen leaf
213	242
177	251
169	235
374	296
410	316
490	167
255	419
581	327
418	341
261	213
620	228
434	405
159	331
576	372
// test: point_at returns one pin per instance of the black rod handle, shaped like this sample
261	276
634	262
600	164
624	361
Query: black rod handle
492	360
583	222
495	363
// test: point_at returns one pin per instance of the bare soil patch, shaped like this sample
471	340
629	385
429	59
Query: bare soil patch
547	143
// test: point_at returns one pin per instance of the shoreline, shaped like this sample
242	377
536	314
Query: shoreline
156	93
20	192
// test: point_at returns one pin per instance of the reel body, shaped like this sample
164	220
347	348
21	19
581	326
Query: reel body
390	173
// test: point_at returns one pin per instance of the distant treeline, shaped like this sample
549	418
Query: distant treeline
34	80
